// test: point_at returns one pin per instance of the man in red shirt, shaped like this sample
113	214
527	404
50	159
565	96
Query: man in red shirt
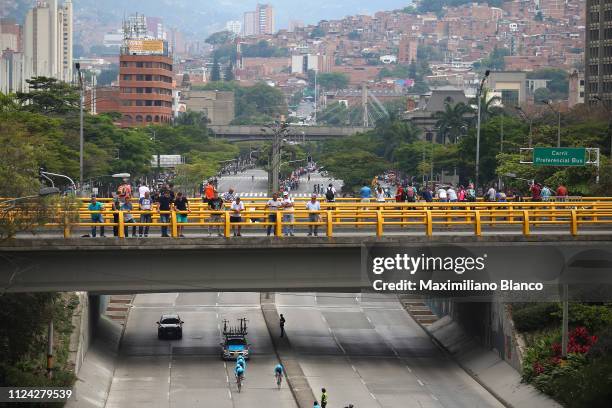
536	192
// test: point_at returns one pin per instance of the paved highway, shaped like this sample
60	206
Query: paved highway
189	372
243	185
366	350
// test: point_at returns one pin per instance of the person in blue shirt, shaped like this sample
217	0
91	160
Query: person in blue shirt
241	361
95	205
365	193
278	369
239	371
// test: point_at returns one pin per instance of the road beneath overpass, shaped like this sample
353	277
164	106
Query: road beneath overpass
366	350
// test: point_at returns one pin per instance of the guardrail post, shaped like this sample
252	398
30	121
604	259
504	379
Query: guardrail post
226	227
121	226
574	223
477	223
379	223
67	228
278	226
173	224
428	223
330	224
525	222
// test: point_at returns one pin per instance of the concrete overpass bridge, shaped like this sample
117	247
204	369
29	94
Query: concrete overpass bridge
298	133
266	264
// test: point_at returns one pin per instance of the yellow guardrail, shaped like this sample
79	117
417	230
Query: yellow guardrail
375	218
387	199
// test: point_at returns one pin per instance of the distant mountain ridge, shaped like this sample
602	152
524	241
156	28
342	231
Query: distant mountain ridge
208	16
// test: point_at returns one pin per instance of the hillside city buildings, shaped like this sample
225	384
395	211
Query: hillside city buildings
403	55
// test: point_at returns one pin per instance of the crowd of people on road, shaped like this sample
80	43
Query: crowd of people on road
409	192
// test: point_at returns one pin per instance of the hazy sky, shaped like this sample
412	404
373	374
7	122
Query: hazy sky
211	15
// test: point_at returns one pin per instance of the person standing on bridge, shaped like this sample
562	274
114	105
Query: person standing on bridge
272	205
181	204
236	209
313	206
230	196
365	193
145	204
281	323
209	191
163	207
288	214
96	217
216	204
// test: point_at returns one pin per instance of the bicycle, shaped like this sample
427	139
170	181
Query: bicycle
279	379
239	380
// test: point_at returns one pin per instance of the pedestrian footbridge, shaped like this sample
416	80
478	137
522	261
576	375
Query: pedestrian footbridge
251	263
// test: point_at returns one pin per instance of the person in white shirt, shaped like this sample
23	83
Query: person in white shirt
442	194
313	205
288	216
491	194
272	205
142	189
451	194
236	210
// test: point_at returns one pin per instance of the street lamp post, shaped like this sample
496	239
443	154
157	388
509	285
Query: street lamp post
279	129
558	112
81	137
478	95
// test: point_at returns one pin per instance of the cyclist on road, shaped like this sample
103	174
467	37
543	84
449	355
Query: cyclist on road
278	374
240	361
239	371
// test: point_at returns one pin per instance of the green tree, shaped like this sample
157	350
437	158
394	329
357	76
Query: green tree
220	37
215	73
48	96
229	72
333	80
453	121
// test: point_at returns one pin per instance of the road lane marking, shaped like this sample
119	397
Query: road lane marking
229	393
373	397
420	383
434	397
353	367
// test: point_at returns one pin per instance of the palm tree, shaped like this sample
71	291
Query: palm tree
452	121
489	105
394	133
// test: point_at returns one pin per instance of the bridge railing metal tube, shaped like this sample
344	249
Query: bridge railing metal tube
363	219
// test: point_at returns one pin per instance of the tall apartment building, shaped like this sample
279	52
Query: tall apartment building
249	26
260	21
598	52
234	26
11	57
265	19
10	35
47	41
145	77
